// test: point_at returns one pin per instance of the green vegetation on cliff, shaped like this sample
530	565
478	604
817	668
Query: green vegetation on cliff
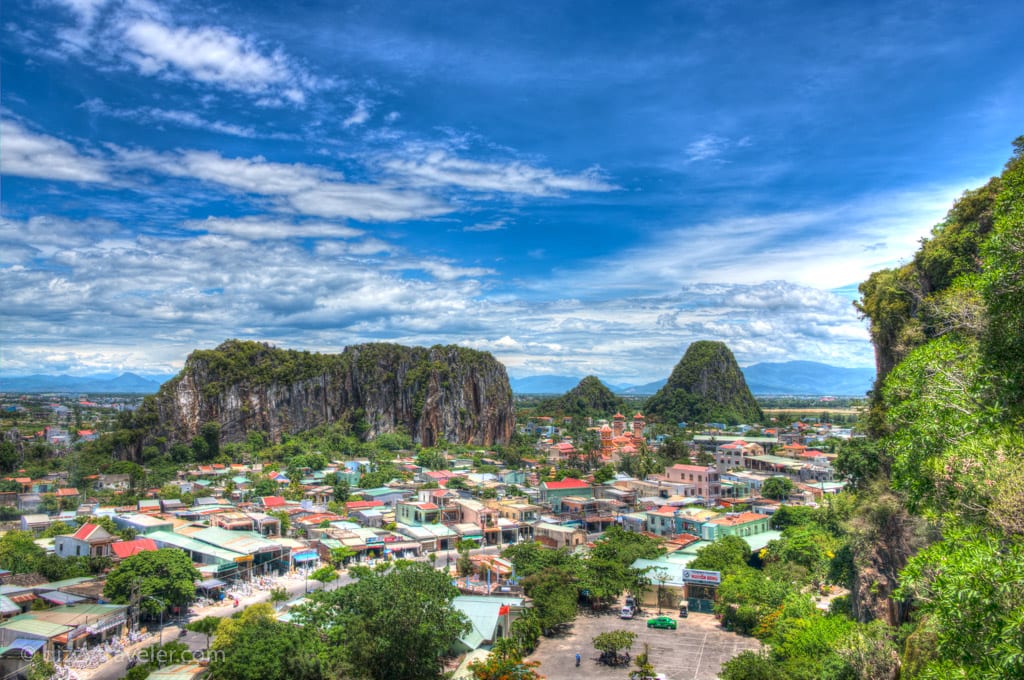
947	413
706	385
589	398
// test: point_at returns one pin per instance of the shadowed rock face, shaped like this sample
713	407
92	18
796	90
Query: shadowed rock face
452	392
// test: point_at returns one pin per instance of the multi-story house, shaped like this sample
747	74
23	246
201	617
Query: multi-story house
705	480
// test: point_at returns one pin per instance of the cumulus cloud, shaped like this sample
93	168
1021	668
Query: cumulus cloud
161	295
147	38
32	154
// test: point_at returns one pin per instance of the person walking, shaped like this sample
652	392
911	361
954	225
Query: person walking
577	659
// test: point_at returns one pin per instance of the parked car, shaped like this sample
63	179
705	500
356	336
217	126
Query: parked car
662	622
626	612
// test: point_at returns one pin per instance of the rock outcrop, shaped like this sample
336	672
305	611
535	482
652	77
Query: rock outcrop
449	392
589	398
706	385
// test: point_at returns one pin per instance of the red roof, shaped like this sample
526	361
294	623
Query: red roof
273	501
67	491
125	549
567	483
85	531
741	518
362	505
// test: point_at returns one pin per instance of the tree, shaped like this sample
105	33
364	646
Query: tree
644	668
206	626
968	588
604	474
58	528
394	623
325	574
257	645
153	657
18	552
210	434
166	574
40	669
554	592
505	662
612	641
778	488
341	555
727	554
278	595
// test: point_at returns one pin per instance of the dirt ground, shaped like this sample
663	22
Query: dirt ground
694	651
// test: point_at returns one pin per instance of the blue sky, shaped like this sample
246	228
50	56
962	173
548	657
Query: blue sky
576	187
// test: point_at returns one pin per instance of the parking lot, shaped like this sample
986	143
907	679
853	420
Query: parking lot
695	651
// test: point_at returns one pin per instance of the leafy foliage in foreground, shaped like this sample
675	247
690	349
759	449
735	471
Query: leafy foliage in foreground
394	623
948	410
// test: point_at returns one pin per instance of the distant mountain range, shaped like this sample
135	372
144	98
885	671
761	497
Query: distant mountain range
126	383
791	377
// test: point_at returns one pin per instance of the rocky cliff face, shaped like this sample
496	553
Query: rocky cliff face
706	385
445	391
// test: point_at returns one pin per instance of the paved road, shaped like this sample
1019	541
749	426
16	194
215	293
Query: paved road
117	667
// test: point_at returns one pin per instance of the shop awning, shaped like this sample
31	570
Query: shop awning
211	583
305	557
23	647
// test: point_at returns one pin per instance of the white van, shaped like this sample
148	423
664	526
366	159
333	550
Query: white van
626	613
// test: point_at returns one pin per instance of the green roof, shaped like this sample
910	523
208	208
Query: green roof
482	612
758	541
168	538
27	624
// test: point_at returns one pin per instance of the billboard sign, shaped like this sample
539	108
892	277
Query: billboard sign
700	576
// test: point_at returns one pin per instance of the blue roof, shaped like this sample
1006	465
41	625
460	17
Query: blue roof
23	646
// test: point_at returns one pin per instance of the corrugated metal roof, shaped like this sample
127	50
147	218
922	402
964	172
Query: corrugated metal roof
31	626
167	538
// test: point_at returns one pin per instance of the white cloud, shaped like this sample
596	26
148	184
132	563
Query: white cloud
212	55
712	146
30	154
307	189
438	168
163	296
257	228
145	35
496	225
824	248
189	119
360	114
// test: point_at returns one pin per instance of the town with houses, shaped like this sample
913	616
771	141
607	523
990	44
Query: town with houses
242	535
